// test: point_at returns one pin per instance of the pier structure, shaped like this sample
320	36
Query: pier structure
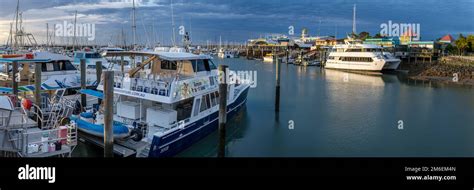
31	124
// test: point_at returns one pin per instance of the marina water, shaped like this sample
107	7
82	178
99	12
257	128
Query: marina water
330	113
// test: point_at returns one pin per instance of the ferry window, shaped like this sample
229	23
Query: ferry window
196	107
184	109
168	65
203	104
213	99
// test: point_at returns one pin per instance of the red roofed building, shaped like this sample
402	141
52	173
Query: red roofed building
447	39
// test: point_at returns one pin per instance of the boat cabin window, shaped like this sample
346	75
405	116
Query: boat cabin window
168	65
79	55
93	56
196	107
66	66
217	96
357	59
211	64
354	50
94	67
213	99
203	104
203	65
57	66
184	109
209	101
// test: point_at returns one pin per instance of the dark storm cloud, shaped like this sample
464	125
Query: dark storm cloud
238	20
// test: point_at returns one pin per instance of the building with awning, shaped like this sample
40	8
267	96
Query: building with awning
383	42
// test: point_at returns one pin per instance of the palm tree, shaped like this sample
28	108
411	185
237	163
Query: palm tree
461	44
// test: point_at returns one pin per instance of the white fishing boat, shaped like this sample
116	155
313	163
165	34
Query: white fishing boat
91	58
170	101
57	72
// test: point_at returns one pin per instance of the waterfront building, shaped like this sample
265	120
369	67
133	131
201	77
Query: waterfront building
386	42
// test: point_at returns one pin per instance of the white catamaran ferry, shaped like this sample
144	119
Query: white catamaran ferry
170	101
364	57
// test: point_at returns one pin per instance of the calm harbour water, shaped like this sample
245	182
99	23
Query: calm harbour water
336	113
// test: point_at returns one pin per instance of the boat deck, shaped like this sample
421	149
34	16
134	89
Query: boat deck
126	148
7	145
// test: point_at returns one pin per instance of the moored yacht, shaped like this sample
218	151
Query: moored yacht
223	53
364	57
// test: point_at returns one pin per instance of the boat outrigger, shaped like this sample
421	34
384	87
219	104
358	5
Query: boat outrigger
170	101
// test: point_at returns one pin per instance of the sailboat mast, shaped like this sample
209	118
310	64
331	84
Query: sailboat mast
172	24
74	39
15	45
47	35
134	26
354	20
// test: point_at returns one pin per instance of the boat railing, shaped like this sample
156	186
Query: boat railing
36	143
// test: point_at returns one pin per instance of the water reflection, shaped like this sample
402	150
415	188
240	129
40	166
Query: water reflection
339	113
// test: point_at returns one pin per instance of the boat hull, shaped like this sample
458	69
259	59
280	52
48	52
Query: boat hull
268	59
372	66
171	144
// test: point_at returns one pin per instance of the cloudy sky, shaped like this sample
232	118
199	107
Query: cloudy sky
238	20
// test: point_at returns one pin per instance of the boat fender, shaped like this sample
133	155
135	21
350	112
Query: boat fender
136	134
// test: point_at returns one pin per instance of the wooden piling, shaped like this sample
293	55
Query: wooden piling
38	84
108	113
98	71
121	65
83	82
277	88
15	79
222	109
